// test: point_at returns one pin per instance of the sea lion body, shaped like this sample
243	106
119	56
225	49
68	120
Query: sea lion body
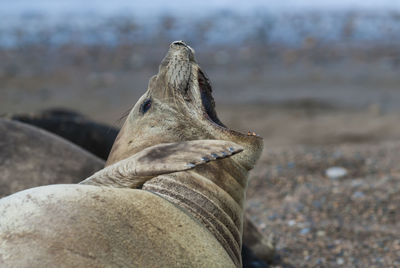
97	139
131	228
30	157
94	137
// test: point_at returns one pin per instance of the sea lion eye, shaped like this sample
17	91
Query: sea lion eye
145	106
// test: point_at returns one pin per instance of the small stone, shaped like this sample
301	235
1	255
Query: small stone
357	183
335	173
321	233
291	222
303	224
305	231
273	217
358	195
340	261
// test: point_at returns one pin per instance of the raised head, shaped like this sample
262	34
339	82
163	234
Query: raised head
178	106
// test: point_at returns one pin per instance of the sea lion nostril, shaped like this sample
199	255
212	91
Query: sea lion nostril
179	43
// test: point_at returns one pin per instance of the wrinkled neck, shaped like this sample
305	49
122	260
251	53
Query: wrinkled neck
214	194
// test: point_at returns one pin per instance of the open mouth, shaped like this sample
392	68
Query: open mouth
208	103
180	63
206	98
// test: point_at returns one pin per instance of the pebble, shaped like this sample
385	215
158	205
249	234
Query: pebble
262	226
273	217
358	195
357	183
291	222
340	261
304	231
321	233
335	173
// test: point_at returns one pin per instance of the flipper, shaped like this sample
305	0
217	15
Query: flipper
160	159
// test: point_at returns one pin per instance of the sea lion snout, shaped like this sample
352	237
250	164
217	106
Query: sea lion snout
181	44
178	43
181	50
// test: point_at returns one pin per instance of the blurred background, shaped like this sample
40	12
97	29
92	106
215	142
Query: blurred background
291	60
319	80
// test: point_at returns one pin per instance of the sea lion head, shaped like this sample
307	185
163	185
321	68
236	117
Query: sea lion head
178	106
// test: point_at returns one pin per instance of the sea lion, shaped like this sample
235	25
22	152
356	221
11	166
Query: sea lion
206	192
98	138
95	137
31	157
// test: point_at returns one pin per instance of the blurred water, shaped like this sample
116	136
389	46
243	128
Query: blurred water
288	23
192	6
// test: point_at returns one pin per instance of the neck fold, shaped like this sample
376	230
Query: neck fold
214	194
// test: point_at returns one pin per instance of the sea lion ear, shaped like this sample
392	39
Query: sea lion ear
160	159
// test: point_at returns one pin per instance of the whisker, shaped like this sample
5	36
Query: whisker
120	120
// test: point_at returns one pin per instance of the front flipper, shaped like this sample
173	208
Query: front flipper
159	159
